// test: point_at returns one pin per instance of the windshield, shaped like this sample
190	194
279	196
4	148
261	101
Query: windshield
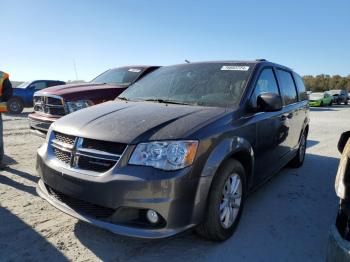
119	76
315	96
206	84
23	85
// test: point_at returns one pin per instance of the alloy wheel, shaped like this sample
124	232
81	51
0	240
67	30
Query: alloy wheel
14	106
231	200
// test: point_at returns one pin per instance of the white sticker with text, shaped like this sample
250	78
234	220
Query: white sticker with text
134	70
235	68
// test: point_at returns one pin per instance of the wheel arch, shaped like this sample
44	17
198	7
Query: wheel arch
236	148
16	97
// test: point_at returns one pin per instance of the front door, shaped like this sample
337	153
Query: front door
271	129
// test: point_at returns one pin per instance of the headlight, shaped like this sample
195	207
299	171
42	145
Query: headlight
166	155
73	106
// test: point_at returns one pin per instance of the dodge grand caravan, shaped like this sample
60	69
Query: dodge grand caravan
180	148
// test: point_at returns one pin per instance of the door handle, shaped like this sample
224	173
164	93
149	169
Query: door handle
290	115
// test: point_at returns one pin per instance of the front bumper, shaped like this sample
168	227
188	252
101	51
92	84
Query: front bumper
174	198
39	124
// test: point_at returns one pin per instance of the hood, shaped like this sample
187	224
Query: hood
18	91
63	90
134	122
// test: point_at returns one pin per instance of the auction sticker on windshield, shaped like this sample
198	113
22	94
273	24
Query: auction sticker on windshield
235	68
134	70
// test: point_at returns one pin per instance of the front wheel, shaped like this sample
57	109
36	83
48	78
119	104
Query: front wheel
225	202
15	105
298	160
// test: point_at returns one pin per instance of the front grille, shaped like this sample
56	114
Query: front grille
62	156
49	105
81	206
86	154
110	147
97	165
66	139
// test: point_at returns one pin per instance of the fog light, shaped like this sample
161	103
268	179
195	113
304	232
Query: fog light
152	216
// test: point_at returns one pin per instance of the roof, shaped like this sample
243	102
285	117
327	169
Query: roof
252	62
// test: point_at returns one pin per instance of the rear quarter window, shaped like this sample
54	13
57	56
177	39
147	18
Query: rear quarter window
301	87
287	86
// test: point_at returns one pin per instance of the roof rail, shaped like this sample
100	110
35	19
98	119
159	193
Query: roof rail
260	60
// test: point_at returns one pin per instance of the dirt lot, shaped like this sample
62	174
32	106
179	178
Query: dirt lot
286	220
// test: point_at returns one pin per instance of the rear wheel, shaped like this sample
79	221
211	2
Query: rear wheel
298	160
346	102
225	202
15	105
321	103
330	103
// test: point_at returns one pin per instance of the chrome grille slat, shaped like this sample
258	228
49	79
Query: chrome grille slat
72	151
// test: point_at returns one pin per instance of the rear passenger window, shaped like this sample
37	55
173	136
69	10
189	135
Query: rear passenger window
266	83
301	87
289	93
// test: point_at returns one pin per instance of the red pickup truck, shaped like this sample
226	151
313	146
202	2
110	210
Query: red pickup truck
52	103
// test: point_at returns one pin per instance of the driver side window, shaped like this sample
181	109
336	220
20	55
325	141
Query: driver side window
266	83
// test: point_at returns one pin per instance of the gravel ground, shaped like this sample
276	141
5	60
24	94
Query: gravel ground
285	220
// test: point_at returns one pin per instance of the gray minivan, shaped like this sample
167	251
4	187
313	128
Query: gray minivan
181	148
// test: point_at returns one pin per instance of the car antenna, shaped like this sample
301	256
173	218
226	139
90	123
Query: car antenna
187	61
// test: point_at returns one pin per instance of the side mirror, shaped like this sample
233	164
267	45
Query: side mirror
269	102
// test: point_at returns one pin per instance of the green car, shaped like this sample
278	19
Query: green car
320	99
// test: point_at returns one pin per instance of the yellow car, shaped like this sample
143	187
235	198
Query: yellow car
320	99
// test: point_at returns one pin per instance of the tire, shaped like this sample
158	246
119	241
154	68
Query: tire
213	227
330	103
298	160
15	105
346	102
321	103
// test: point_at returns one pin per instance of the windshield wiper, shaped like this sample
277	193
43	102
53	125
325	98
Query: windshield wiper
123	98
163	101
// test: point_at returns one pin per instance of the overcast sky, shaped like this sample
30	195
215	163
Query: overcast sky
41	39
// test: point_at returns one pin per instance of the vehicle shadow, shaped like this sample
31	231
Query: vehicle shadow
22	174
320	109
25	188
328	108
286	219
311	143
341	106
11	117
12	182
14	229
9	161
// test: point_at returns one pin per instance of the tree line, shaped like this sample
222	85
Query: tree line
321	83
